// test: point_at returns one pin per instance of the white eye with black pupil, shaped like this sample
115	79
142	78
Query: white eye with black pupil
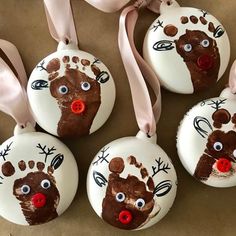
85	86
45	184
120	197
25	189
205	43
218	146
140	203
63	89
188	47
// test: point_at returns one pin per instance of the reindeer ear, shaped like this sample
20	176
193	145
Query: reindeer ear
53	65
39	84
8	169
117	165
57	161
102	77
221	116
163	188
199	123
163	45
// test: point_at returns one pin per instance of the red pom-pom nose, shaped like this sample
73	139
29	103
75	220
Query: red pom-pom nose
223	165
125	217
77	107
38	200
205	62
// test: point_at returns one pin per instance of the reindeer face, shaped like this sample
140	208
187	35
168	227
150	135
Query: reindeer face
128	194
191	41
36	182
69	91
210	152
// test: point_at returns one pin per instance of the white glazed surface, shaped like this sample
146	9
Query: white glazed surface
145	152
45	107
191	145
169	65
23	147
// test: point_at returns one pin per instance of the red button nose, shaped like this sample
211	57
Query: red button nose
223	165
205	62
38	200
125	217
77	107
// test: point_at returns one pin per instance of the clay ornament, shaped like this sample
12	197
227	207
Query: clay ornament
38	173
187	48
206	139
71	92
131	182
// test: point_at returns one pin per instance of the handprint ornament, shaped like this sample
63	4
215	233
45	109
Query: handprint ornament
71	92
188	48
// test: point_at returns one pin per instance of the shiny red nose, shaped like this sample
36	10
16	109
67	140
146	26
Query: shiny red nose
125	217
38	200
77	107
205	62
223	165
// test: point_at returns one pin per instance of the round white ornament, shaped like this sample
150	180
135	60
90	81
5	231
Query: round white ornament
132	183
206	141
71	92
187	48
38	177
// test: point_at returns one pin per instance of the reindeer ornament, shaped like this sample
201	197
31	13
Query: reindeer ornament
187	48
131	183
38	173
71	92
206	139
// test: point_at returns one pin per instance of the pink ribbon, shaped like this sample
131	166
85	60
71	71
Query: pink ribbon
137	69
60	21
232	78
13	80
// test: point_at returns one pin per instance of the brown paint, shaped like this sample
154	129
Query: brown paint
144	173
234	119
66	59
204	167
184	19
116	165
133	189
203	20
53	76
31	164
22	165
201	79
34	215
8	169
85	62
40	166
150	184
70	124
170	30
211	27
50	170
194	19
75	59
132	161
53	65
221	116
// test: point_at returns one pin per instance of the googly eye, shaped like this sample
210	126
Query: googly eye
85	86
120	197
63	89
140	203
25	189
205	43
188	47
45	184
218	146
234	153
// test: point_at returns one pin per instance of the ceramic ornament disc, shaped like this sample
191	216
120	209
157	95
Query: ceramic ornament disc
187	48
131	183
71	93
38	178
206	142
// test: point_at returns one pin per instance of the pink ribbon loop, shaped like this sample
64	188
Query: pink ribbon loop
137	69
60	21
13	98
